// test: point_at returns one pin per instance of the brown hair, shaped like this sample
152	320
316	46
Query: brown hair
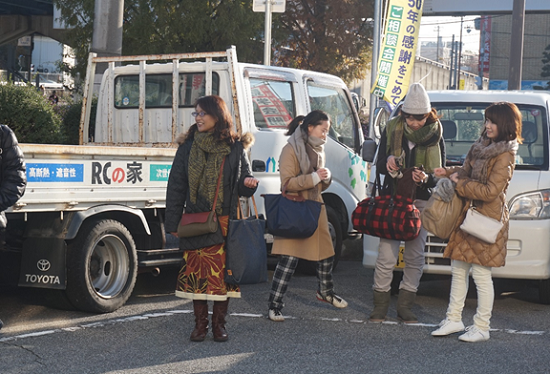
217	108
507	117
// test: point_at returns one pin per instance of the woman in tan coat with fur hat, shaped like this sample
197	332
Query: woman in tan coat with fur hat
302	169
482	181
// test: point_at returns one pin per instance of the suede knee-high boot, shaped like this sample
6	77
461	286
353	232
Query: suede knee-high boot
218	320
200	308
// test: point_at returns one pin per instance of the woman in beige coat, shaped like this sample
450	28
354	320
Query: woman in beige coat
302	169
482	181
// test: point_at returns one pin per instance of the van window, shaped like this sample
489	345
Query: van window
158	90
335	103
273	103
463	124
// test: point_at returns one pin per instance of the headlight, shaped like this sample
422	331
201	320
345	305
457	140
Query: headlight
533	205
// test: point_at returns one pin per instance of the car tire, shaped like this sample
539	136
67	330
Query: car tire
544	291
101	266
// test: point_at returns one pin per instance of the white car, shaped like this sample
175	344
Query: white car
528	195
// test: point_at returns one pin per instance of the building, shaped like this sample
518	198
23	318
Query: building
536	39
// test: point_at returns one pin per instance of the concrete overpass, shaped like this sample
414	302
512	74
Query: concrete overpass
20	18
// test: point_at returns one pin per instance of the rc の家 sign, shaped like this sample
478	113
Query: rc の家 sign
398	50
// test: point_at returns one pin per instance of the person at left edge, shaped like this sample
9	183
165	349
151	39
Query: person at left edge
191	187
13	179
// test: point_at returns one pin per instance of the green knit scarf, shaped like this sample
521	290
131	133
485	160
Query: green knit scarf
427	153
205	160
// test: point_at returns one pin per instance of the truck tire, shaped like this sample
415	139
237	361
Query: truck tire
544	291
101	266
335	229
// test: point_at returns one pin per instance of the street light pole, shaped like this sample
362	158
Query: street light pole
516	45
459	62
267	33
377	31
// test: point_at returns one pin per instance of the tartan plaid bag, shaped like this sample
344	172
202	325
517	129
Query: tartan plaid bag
390	216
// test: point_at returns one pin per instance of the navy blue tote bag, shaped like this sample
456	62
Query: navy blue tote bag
291	216
246	252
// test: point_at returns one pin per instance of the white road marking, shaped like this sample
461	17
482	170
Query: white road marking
244	315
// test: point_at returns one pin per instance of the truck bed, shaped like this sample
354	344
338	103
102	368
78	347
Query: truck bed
77	177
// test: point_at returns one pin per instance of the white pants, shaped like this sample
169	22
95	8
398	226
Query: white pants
413	256
459	288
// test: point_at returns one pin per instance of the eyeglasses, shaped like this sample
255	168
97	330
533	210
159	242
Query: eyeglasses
199	114
418	117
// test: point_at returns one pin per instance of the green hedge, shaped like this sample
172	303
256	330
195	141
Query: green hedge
71	120
30	115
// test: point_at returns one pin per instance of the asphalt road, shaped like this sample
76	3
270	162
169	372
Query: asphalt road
151	333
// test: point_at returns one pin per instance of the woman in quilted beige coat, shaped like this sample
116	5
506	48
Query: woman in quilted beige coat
303	171
482	181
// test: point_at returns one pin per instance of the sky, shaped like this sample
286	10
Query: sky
447	27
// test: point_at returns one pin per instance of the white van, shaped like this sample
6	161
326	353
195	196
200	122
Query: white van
148	103
528	195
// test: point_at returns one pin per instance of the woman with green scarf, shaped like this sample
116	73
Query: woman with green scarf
414	138
209	146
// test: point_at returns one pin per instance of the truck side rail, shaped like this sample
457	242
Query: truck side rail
230	54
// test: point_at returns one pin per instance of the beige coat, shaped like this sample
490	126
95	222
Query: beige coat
319	245
490	200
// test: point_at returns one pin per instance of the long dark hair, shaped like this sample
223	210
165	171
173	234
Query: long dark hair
314	118
217	108
507	117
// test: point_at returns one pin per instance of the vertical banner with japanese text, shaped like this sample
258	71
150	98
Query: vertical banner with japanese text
398	50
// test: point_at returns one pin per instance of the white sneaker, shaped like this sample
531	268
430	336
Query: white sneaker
275	315
474	334
333	299
447	327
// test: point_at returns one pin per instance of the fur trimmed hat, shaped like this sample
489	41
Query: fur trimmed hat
417	100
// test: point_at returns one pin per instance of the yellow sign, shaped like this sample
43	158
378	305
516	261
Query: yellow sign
400	261
398	51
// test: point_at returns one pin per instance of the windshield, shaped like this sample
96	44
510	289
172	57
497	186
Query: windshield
463	123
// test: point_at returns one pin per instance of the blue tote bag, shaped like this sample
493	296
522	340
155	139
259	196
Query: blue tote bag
291	216
246	252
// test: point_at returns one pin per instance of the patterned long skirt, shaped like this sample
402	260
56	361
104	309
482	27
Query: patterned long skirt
201	276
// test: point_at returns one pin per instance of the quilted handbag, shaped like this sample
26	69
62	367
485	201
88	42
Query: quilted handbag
388	216
291	216
246	252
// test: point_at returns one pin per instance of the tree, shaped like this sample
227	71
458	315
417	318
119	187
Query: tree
171	26
332	36
546	61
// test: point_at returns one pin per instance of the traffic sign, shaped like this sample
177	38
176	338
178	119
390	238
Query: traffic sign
277	6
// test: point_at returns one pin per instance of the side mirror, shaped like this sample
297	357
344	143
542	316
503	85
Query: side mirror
368	150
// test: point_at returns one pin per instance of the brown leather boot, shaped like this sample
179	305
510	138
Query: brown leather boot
218	320
200	308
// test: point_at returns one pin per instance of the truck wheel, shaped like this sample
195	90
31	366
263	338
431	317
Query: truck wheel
544	291
101	267
335	229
